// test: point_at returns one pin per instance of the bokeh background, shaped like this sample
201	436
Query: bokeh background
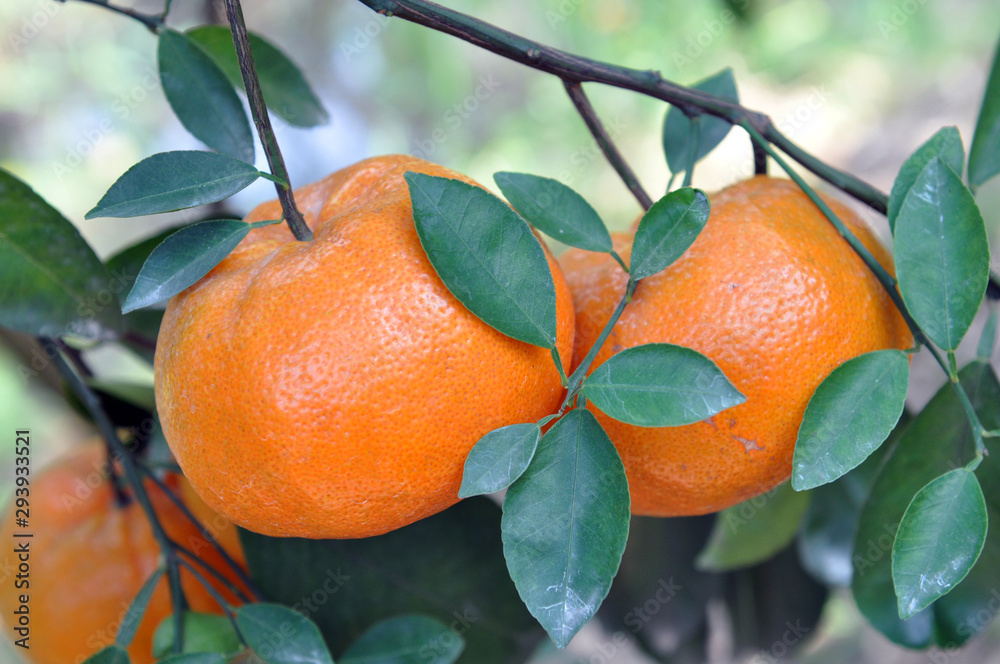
859	83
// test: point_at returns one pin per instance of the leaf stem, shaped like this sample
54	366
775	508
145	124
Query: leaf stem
262	121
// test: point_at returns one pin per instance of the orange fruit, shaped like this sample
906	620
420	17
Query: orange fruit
88	557
773	295
333	388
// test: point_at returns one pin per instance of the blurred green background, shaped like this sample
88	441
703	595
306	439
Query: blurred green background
859	83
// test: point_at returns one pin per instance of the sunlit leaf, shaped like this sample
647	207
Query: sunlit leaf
203	632
946	144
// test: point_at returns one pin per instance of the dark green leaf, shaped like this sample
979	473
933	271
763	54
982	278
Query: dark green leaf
667	230
51	281
946	144
565	523
183	258
499	458
660	385
487	256
202	97
203	632
174	181
942	256
851	413
286	91
124	266
984	155
555	209
677	129
409	639
132	617
280	635
939	540
109	655
754	530
194	658
449	566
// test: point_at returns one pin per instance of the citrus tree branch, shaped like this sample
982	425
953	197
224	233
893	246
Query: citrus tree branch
578	69
261	120
152	21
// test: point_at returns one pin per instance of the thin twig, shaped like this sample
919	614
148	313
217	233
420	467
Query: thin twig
151	21
293	217
625	172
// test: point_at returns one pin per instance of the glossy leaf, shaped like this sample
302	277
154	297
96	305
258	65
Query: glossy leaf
136	611
942	256
677	128
109	655
754	530
298	639
202	97
487	256
203	632
851	413
984	155
939	540
946	144
286	91
565	523
183	258
667	229
499	458
174	181
555	209
660	385
51	281
409	639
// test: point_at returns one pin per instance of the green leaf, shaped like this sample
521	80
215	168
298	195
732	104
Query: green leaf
499	458
851	413
677	129
183	258
286	91
125	265
202	97
942	256
754	530
194	658
51	281
110	655
487	256
132	617
280	635
667	229
988	339
408	639
555	209
449	566
660	385
984	155
174	181
938	438
946	144
565	523
203	632
939	540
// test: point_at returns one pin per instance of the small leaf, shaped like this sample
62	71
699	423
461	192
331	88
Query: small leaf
984	155
667	229
939	540
499	458
754	530
203	632
286	91
946	144
487	256
942	256
408	639
660	385
677	133
202	97
851	413
556	210
51	281
280	635
565	523
174	181
110	655
183	258
132	618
